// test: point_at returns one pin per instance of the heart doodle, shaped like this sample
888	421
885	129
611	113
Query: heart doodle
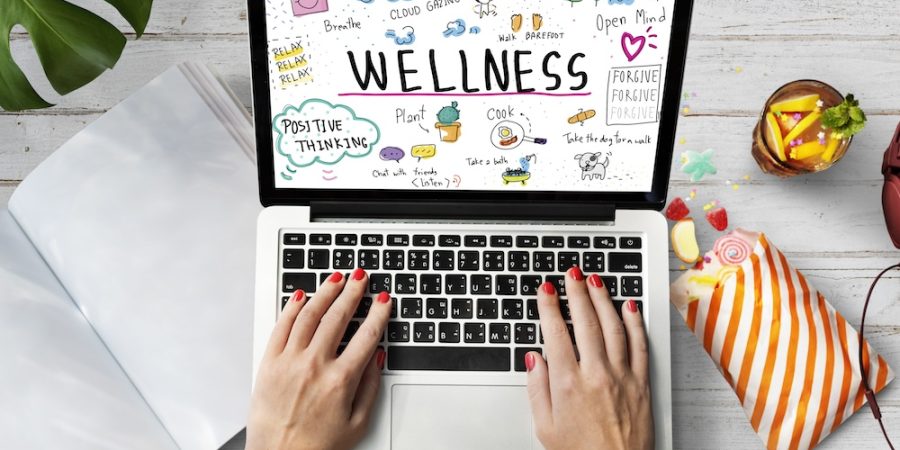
632	46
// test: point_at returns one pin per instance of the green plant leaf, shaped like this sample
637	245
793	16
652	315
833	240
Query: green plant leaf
73	44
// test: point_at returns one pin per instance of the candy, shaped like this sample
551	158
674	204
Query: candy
698	165
677	210
732	250
718	218
684	241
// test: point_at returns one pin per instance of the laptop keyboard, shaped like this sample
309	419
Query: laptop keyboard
461	302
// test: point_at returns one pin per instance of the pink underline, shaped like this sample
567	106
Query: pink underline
458	94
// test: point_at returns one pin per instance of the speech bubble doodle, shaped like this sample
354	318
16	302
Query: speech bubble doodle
391	154
423	151
320	132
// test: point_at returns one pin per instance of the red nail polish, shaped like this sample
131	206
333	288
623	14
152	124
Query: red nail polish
632	306
335	277
595	281
529	361
383	297
298	295
379	358
575	273
358	274
549	288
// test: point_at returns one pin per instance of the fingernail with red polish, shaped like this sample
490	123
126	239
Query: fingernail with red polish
358	274
529	361
298	295
383	297
632	306
379	358
548	287
335	277
595	281
575	273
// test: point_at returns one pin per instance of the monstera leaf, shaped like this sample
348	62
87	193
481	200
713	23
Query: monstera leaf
73	44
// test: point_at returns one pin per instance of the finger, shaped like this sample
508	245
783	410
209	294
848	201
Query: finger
285	322
367	391
557	342
308	320
613	330
638	350
539	390
334	321
367	337
588	335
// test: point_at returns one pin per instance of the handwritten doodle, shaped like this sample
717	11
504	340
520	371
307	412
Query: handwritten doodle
328	175
520	175
633	95
475	30
408	37
455	28
457	180
448	123
305	7
485	8
633	46
289	63
320	132
591	166
423	152
391	154
582	117
537	21
516	23
508	135
621	2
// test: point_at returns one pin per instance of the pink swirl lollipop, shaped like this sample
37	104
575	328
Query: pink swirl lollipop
732	250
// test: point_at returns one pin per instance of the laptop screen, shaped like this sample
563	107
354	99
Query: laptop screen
532	95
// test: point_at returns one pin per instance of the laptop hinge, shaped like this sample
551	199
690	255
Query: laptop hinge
432	210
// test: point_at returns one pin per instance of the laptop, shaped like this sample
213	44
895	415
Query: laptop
463	152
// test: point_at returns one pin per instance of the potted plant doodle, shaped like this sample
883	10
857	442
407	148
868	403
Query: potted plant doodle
448	123
73	44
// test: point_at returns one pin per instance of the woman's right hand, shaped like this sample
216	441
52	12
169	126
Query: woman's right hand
601	399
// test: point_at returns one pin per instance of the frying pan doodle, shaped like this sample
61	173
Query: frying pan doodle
508	135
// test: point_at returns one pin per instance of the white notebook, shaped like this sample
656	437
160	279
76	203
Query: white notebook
126	277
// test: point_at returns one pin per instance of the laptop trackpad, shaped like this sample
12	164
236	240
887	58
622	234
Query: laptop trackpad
455	417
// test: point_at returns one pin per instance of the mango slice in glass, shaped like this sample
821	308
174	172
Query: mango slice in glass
800	104
775	136
801	127
807	150
832	147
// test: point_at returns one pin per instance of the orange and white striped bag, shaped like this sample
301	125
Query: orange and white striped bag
790	357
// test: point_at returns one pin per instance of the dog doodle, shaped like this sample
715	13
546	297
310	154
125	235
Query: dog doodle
591	167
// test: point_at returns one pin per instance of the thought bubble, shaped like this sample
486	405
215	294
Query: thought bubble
319	132
391	154
423	151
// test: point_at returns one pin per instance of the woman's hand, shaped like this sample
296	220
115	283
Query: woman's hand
306	396
601	399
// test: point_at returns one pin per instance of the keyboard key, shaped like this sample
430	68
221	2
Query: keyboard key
449	240
612	285
343	259
448	332
527	241
543	262
320	239
423	240
319	259
294	239
518	261
593	262
436	308
499	333
519	357
525	333
632	287
487	308
512	309
368	259
379	282
394	259
419	260
292	258
630	243
352	327
372	240
323	277
398	240
423	332
461	308
531	310
443	259
291	282
506	285
362	310
619	304
501	241
468	260
529	284
455	284
566	260
476	359
474	333
405	283
345	239
480	284
625	262
564	310
476	241
559	281
553	242
430	283
284	301
604	242
411	308
398	332
492	261
579	242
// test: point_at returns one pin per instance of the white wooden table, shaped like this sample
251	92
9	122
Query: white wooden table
829	225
